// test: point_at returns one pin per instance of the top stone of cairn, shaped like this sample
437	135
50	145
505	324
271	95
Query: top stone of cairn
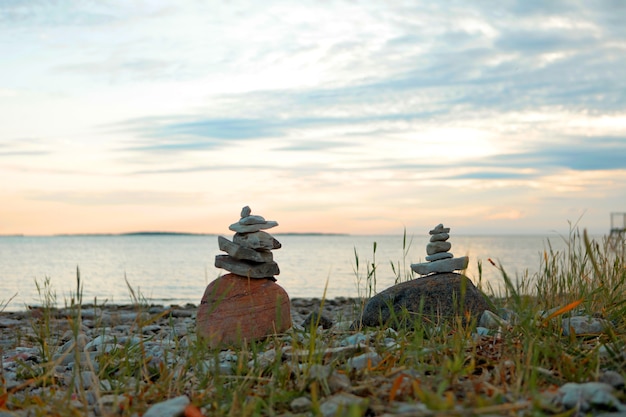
249	223
245	212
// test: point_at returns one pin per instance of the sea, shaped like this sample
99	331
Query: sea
174	269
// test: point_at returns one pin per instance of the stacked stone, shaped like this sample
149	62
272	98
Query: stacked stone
249	254
440	260
246	304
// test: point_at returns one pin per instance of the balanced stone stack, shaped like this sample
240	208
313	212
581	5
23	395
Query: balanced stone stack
249	254
443	295
440	260
246	304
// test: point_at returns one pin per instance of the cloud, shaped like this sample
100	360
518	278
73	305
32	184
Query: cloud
491	175
314	145
43	13
119	69
575	153
24	147
511	214
223	128
114	198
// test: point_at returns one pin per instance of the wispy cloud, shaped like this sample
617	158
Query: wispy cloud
10	147
576	153
114	198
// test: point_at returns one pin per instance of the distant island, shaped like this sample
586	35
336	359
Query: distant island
310	234
157	233
161	233
148	233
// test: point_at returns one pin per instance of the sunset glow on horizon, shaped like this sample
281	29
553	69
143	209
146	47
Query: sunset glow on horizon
334	117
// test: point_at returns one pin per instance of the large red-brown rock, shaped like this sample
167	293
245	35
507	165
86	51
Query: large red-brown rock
236	309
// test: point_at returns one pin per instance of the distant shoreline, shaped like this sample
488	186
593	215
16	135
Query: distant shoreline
157	233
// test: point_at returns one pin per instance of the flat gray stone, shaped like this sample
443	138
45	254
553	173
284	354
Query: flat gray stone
339	404
613	378
300	405
241	252
174	407
441	266
363	361
252	219
584	325
439	229
440	237
243	228
437	247
256	240
588	396
7	322
491	320
438	256
247	268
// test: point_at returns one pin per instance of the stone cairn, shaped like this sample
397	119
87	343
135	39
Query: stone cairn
249	254
435	297
246	304
440	260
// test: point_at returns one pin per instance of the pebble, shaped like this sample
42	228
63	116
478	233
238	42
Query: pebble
354	339
491	320
588	396
438	247
174	407
317	318
339	382
341	404
252	219
584	325
247	268
482	331
613	378
243	228
438	256
257	241
300	405
241	252
365	361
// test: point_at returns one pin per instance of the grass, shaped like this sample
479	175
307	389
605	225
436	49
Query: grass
423	369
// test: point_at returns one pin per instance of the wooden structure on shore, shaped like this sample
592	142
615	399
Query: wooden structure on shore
617	236
618	224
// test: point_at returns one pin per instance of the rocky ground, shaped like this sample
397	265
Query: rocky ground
354	369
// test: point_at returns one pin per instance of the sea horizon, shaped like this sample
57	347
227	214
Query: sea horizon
174	268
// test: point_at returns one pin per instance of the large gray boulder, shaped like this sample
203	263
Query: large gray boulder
435	299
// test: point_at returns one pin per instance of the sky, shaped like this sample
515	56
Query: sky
360	117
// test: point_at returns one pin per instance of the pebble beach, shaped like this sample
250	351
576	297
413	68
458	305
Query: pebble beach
158	329
355	368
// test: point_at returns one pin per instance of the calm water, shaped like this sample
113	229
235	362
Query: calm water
168	269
